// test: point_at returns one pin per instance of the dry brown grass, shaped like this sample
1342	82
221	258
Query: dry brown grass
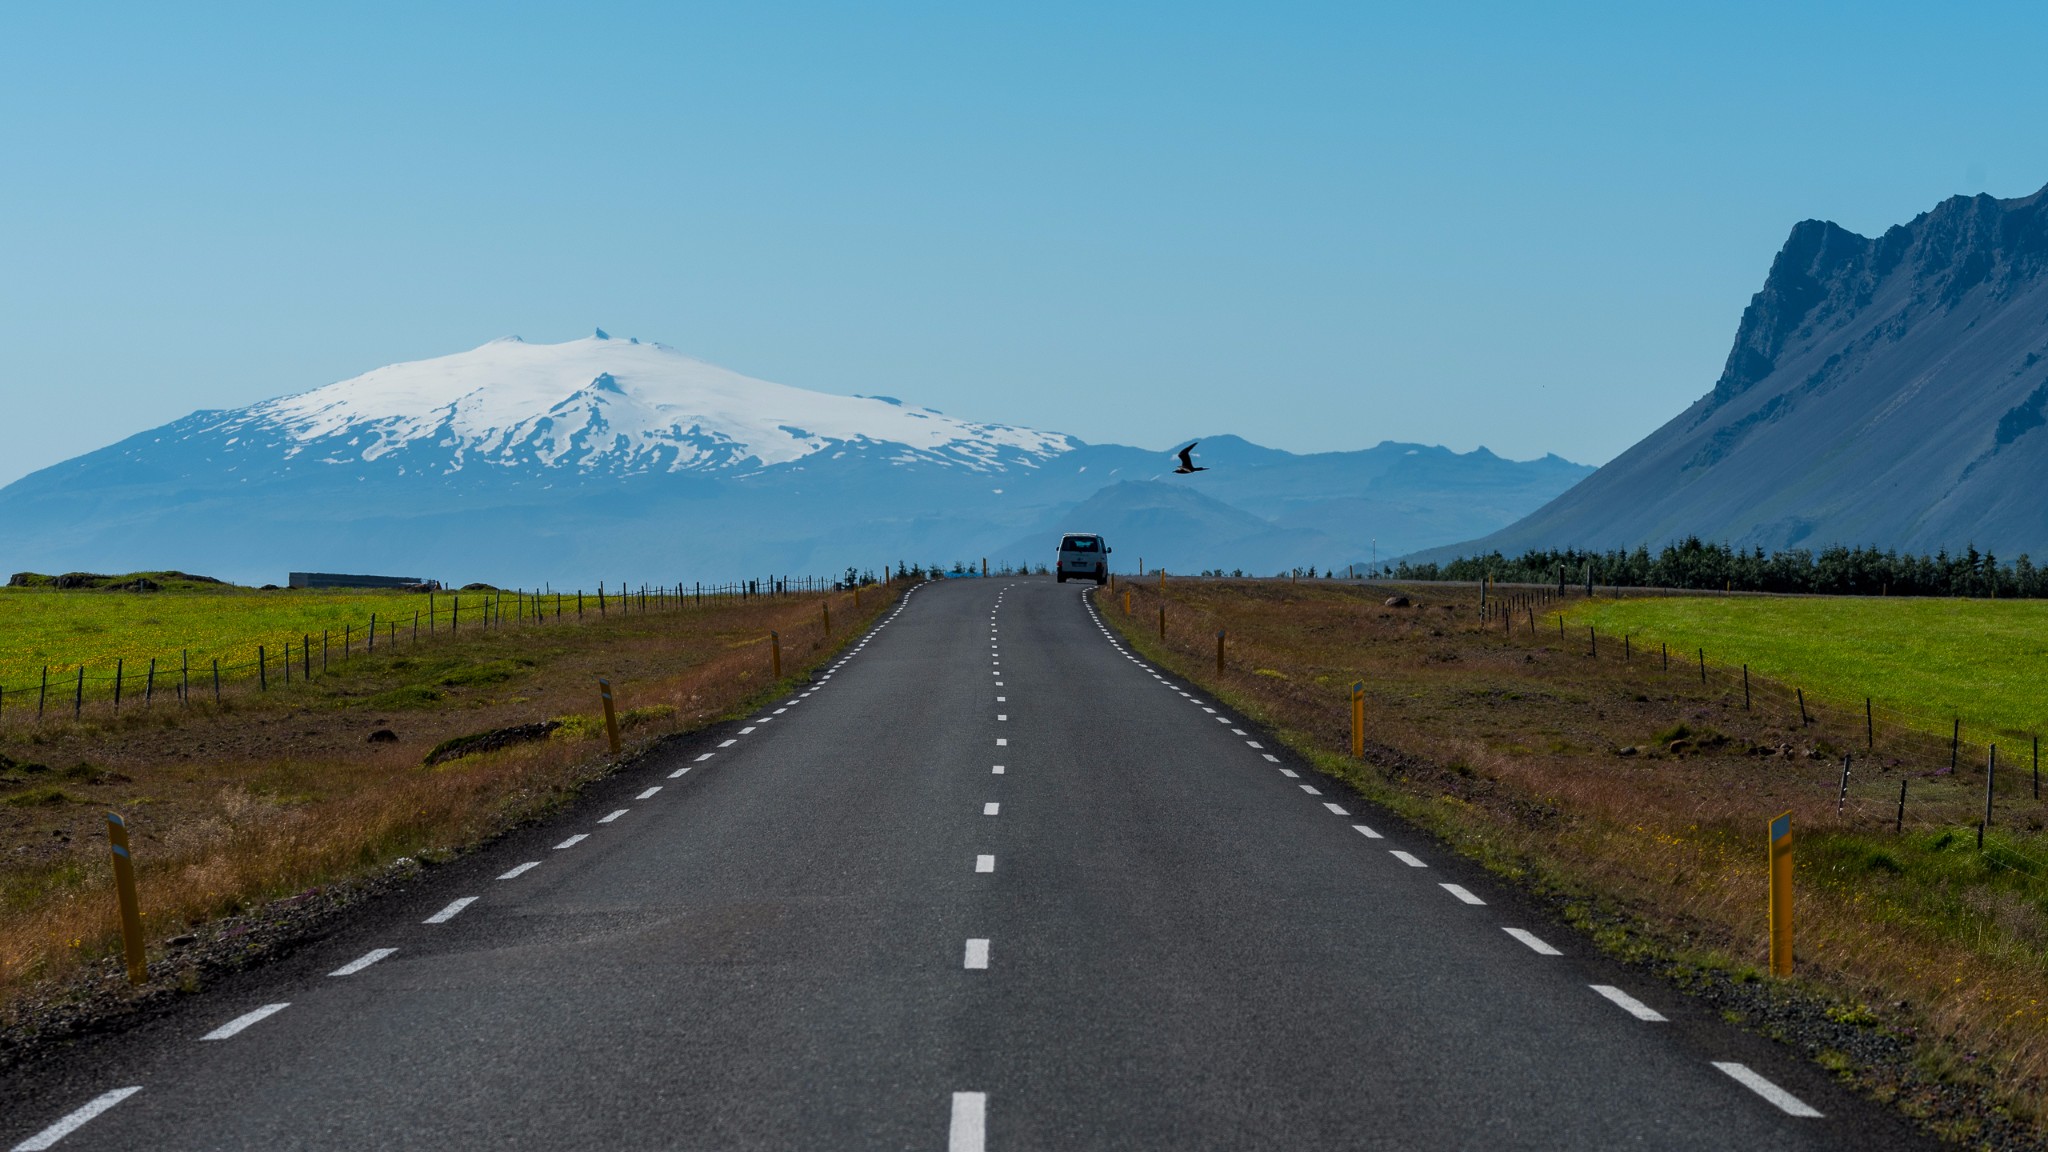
229	807
1511	748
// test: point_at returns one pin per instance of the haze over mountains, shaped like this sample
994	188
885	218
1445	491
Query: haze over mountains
1889	391
627	461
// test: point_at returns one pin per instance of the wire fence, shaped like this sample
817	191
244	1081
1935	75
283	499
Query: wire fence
77	691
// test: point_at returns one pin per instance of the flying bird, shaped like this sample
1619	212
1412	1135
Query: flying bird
1187	464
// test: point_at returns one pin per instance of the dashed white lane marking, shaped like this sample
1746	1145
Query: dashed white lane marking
1628	1003
1786	1102
1223	719
1273	758
996	771
1310	789
678	773
1336	808
613	816
453	910
1366	832
1002	743
1255	744
977	954
1290	773
1002	716
1463	893
1210	711
968	1132
244	1020
572	841
1002	699
727	743
747	731
984	863
48	1137
785	708
991	808
361	962
1407	858
706	756
521	870
1535	944
649	793
1237	731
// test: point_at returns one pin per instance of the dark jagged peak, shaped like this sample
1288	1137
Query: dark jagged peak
1826	274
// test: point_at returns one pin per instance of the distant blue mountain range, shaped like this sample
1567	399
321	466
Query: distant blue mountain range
619	460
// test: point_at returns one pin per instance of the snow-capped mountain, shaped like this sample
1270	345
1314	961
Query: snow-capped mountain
598	405
615	459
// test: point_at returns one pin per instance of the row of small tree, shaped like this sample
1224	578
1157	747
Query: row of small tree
1693	563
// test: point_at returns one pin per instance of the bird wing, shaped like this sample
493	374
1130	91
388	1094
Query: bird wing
1185	462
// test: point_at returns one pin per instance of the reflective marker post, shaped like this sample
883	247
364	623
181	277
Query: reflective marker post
1219	651
1781	895
775	654
124	892
1358	720
611	716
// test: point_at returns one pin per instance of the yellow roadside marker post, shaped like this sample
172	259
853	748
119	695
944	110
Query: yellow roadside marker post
1162	580
611	715
775	654
1219	651
1781	895
1162	621
1358	720
1127	601
124	892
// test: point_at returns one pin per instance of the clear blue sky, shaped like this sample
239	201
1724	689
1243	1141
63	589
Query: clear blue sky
1526	226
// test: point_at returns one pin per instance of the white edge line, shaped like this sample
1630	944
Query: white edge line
362	962
1534	942
1787	1103
105	1100
453	909
244	1020
1628	1003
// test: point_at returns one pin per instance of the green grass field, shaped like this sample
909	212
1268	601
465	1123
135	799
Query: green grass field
1929	659
63	630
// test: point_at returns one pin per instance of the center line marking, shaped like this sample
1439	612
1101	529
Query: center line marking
727	743
449	913
1462	893
1002	716
678	773
1237	731
521	870
362	962
613	816
1368	833
747	731
48	1137
977	954
985	863
1629	1004
997	771
1337	808
649	793
1310	789
706	756
1535	945
1409	859
1273	758
244	1020
1290	773
968	1132
572	841
991	808
1255	744
1002	743
1787	1103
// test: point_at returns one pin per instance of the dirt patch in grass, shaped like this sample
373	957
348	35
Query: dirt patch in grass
272	796
1637	798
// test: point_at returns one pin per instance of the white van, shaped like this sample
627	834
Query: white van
1083	556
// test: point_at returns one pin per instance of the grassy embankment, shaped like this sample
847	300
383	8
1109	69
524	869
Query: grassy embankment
1638	798
273	793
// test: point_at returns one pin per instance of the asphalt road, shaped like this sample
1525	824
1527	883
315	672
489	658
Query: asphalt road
991	883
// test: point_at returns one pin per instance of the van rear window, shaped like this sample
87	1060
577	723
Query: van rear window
1079	544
